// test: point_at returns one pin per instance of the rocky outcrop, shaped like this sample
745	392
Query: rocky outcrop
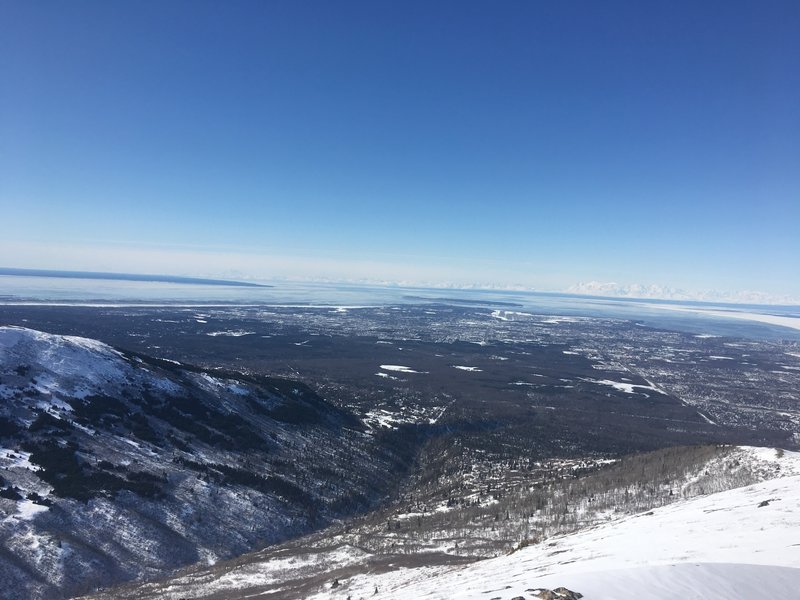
560	593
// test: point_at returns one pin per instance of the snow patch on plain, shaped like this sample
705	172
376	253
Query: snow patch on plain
399	369
231	333
386	376
628	388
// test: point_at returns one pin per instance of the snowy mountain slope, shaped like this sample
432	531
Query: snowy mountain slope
740	543
606	540
116	466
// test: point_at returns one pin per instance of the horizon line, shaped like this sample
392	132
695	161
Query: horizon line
511	289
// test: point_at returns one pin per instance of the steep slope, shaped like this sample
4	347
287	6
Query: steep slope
609	554
115	466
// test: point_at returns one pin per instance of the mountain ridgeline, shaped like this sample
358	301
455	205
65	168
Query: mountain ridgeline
115	466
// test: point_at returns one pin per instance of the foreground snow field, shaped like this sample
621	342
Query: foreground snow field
743	543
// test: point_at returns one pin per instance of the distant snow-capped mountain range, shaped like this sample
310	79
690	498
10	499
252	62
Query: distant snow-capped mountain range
660	292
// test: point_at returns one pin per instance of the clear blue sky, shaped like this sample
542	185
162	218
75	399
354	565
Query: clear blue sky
541	143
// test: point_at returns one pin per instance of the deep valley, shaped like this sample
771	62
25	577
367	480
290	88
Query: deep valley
436	431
